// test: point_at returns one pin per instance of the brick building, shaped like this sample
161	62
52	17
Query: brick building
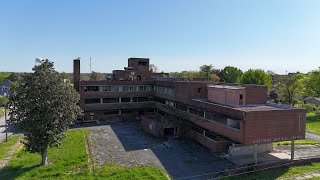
218	116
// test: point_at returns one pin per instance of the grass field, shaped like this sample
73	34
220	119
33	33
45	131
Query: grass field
298	142
313	122
280	172
6	146
70	161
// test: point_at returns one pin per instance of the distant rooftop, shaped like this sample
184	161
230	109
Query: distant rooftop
226	87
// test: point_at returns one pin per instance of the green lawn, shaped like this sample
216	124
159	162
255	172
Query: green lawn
70	161
313	122
298	142
6	146
280	172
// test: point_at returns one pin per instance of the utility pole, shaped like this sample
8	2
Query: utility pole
5	121
90	65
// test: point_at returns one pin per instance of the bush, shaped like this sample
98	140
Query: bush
309	107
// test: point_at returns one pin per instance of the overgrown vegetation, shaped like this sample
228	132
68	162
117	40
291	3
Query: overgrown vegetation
313	122
70	161
6	146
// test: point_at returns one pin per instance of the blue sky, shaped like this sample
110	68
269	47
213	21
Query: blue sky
279	35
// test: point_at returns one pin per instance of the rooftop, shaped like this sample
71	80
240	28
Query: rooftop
226	87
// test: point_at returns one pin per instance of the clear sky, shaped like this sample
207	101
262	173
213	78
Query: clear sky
278	35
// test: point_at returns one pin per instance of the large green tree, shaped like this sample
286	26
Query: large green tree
230	74
205	71
256	76
312	84
290	88
3	76
96	76
42	107
3	100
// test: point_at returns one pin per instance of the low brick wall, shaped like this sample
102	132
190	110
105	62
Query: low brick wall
152	126
214	146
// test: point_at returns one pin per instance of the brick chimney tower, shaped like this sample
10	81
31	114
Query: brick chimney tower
76	73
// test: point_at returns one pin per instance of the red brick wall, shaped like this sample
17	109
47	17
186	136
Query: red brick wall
215	146
256	94
274	125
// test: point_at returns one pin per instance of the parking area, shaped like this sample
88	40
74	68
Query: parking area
126	144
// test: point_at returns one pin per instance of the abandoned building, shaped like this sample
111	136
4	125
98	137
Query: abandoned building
222	117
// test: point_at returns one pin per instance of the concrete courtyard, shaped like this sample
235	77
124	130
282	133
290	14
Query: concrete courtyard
126	144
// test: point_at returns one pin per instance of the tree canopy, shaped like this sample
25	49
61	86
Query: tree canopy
290	88
42	107
256	76
230	74
312	84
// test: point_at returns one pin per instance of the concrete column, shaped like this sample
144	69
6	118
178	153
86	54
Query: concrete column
101	100
119	111
187	109
130	99
204	133
255	154
292	149
204	114
119	99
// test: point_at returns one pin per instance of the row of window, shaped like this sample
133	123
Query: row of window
201	113
116	100
140	88
166	90
118	88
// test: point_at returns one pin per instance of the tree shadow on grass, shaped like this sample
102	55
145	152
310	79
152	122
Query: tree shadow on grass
10	172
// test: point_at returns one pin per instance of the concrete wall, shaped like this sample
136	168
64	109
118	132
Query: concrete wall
248	150
152	126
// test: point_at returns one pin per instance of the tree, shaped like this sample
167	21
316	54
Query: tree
273	95
230	74
312	84
256	76
96	76
290	88
42	107
3	100
153	68
4	75
205	71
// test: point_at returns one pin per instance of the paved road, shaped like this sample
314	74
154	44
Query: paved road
312	136
2	129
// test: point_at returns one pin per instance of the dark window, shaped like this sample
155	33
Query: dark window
197	129
199	90
196	112
111	112
135	99
159	100
142	63
217	118
91	88
211	135
182	107
241	96
126	112
125	99
110	100
91	100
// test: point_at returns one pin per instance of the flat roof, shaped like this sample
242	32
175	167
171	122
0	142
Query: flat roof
251	107
225	87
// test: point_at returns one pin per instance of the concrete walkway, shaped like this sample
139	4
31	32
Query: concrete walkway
304	176
9	154
312	136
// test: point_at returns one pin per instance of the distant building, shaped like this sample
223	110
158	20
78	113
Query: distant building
5	87
222	117
312	100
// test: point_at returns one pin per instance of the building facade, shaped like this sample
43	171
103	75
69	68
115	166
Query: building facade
218	116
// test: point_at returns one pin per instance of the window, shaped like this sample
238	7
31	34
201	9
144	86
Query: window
92	100
197	129
110	100
196	112
110	88
199	90
91	88
111	112
125	99
143	63
182	107
241	96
